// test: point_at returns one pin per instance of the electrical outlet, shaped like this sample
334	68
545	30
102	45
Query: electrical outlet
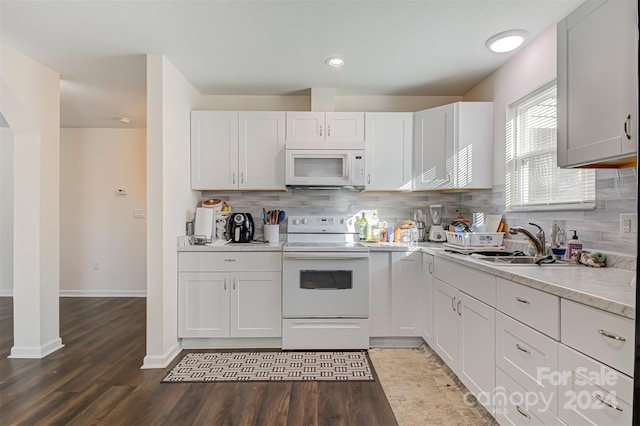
628	224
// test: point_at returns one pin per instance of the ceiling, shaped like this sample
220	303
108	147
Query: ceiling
266	47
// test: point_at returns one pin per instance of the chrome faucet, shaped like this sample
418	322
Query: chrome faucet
538	240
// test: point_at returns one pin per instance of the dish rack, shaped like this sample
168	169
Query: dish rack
474	239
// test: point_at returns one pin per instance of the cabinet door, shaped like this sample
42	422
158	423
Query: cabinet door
203	304
304	129
345	130
597	82
388	148
427	298
433	139
380	294
445	323
473	147
406	291
477	347
261	150
214	150
256	304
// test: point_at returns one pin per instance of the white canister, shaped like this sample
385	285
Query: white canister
272	234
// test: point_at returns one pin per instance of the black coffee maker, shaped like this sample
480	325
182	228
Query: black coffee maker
240	228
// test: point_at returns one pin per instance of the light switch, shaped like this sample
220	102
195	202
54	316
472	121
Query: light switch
139	213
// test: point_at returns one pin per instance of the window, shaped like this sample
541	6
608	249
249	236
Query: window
533	180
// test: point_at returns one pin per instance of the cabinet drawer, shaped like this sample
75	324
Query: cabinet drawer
516	406
606	337
528	357
229	261
533	307
585	384
475	283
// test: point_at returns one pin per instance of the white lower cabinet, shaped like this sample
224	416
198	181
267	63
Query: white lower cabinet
592	393
427	298
464	337
395	294
516	406
238	302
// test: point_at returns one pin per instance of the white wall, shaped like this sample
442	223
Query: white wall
6	212
102	245
530	69
30	103
170	201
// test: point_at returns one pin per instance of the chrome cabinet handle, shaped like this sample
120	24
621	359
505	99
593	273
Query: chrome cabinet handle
229	260
320	130
611	335
242	177
431	269
453	304
608	404
369	178
233	178
522	412
627	126
525	350
329	130
526	302
234	283
225	283
459	310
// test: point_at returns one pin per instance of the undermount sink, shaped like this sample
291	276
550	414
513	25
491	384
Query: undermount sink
523	261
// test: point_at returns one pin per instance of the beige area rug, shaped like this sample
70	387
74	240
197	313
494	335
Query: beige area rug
422	390
271	366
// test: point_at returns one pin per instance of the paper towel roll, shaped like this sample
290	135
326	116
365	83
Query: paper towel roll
204	222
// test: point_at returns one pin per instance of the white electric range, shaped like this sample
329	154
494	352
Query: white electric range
325	285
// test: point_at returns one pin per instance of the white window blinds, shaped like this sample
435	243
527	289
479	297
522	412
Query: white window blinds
533	180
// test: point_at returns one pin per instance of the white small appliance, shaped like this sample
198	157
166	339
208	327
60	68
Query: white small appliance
436	233
325	168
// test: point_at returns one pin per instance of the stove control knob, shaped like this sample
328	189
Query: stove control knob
296	221
341	221
305	221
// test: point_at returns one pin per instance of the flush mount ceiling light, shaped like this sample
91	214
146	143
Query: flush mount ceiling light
335	62
506	41
124	120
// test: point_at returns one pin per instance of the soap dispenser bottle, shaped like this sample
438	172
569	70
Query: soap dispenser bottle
573	245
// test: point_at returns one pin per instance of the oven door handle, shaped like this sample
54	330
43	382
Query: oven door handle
324	256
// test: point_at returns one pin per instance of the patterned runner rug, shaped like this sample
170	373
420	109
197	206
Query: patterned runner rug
267	366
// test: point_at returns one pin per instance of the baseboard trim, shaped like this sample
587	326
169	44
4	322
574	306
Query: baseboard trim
395	342
103	293
36	352
161	361
231	343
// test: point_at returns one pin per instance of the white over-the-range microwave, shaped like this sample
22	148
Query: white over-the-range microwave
325	168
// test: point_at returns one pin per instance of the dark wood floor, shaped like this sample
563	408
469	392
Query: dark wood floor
96	379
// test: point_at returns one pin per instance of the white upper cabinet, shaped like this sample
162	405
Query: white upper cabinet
325	130
261	150
214	150
232	150
388	147
598	85
453	147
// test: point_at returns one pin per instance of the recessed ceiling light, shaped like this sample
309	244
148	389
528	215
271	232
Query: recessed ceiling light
124	120
506	41
335	62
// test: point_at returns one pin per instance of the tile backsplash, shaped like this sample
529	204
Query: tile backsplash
598	229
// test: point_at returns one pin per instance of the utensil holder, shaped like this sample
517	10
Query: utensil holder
272	234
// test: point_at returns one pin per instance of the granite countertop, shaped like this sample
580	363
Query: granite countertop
222	245
606	288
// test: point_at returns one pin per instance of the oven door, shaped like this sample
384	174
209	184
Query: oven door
325	285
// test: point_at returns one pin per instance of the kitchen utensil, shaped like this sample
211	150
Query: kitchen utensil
492	222
281	216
